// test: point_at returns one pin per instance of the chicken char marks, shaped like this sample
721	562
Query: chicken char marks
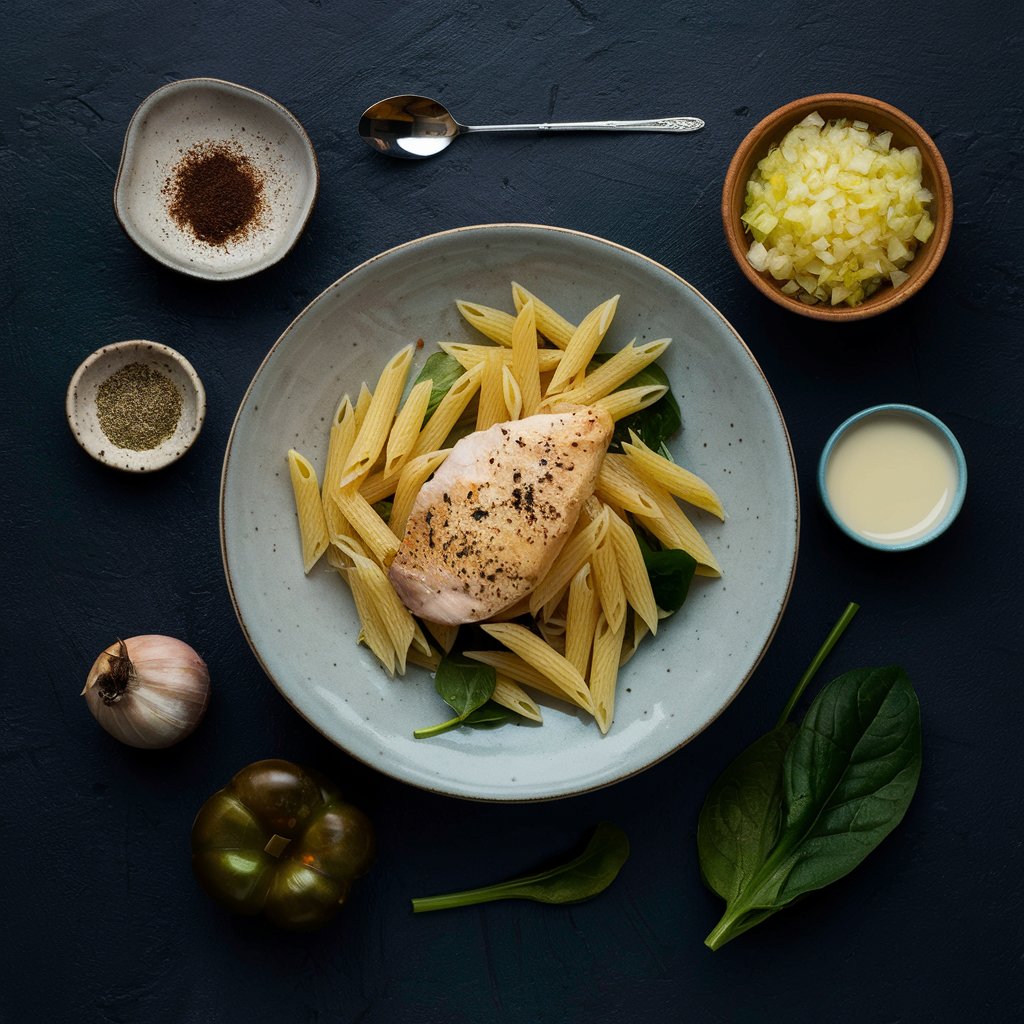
486	528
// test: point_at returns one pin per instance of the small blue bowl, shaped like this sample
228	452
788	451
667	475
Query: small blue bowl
955	450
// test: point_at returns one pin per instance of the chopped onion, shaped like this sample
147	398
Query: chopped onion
835	211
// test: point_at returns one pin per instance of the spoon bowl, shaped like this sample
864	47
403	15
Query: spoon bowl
417	127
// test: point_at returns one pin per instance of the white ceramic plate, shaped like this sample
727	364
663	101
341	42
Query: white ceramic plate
304	630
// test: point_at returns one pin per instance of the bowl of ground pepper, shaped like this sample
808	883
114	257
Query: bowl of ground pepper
216	180
136	405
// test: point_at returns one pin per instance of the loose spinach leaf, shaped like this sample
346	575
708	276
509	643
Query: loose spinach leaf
670	572
655	424
465	686
579	879
383	509
741	816
848	777
443	372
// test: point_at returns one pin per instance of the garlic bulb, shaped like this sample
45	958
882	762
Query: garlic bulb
149	691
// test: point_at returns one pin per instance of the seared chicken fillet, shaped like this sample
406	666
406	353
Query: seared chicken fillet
486	528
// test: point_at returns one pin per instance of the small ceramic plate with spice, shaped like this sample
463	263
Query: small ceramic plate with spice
216	180
136	405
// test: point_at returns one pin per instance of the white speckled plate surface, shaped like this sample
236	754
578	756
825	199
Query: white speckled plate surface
304	629
193	111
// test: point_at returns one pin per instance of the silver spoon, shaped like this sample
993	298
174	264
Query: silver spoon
415	127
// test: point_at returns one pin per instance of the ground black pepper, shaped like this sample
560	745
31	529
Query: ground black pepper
215	193
138	407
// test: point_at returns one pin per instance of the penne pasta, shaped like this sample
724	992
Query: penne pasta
625	364
309	509
604	671
491	409
675	530
607	581
552	325
512	696
343	432
532	649
676	480
617	486
468	356
407	426
513	396
376	424
362	404
570	560
620	404
492	323
513	667
583	344
414	475
630	647
369	526
581	618
636	583
525	361
388	612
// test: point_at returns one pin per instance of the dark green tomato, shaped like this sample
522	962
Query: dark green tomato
280	841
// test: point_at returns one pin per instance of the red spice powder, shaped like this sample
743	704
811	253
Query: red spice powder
215	193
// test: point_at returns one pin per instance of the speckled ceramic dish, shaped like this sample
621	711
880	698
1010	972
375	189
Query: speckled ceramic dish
83	417
194	112
304	629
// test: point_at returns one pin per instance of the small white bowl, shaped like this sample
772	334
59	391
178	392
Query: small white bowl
83	418
183	114
941	433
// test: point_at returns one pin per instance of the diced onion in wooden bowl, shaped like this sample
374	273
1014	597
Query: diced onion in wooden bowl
835	211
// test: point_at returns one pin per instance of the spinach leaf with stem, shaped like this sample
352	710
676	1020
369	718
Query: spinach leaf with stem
466	686
805	805
577	880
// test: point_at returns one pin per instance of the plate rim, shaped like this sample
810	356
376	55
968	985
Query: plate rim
422	785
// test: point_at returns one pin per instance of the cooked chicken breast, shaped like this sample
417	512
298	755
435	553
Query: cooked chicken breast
486	528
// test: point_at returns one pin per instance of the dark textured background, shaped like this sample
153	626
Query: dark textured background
99	916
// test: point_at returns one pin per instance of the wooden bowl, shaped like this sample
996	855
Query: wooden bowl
880	117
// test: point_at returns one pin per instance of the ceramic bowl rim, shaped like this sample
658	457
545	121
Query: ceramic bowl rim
71	403
127	150
958	456
874	305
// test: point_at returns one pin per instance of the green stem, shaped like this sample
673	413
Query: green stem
436	730
467	898
823	652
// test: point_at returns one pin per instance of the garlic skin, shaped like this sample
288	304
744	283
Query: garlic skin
149	691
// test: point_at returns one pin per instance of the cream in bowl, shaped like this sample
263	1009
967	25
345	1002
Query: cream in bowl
893	477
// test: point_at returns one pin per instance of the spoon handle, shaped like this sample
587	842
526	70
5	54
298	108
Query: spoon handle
660	124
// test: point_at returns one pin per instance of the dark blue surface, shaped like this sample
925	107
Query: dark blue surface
101	920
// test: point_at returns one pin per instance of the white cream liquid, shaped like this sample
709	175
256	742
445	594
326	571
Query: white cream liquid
891	478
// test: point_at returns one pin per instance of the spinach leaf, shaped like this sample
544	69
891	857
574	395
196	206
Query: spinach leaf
655	424
443	371
490	716
803	807
465	686
383	509
670	572
742	813
579	879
